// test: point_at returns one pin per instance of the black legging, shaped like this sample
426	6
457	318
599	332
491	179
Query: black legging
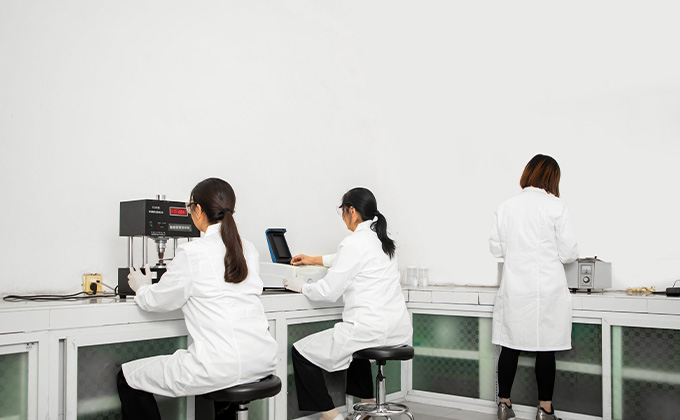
141	405
134	403
544	370
312	393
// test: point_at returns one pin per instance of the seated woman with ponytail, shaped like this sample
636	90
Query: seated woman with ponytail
364	272
215	281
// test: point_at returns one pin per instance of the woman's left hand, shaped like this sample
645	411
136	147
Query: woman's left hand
295	284
303	259
137	279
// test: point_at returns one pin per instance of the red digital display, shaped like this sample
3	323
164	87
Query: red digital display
178	211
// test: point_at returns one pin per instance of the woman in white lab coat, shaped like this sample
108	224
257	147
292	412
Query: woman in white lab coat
364	272
215	281
533	234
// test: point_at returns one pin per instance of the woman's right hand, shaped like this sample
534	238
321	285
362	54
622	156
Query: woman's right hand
303	259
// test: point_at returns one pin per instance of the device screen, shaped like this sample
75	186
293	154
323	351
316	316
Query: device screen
281	247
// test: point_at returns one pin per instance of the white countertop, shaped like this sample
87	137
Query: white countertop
609	301
18	317
27	316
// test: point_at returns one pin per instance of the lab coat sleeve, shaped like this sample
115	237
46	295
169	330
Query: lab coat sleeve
495	239
328	260
253	262
567	248
172	291
345	267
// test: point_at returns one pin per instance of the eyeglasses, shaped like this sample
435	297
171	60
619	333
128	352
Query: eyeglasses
188	206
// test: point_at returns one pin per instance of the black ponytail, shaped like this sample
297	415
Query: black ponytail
380	227
365	204
217	199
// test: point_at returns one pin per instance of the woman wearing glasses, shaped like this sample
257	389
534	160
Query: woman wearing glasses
364	272
533	234
215	281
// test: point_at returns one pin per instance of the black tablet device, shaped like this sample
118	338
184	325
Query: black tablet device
278	247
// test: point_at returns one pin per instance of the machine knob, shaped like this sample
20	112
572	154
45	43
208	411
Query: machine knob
586	279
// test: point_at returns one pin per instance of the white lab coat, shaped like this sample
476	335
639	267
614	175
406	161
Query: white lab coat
375	311
231	342
533	234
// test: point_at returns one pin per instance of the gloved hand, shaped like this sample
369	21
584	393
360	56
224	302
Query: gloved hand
295	284
136	279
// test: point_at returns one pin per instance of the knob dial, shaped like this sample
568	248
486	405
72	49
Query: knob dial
586	279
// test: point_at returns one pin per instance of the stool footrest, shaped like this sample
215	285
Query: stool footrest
380	410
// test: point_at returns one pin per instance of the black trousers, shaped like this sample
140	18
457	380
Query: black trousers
312	393
141	405
544	369
136	404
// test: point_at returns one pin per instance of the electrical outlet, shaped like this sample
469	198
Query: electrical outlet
92	278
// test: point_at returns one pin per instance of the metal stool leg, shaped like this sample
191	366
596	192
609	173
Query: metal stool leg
242	413
380	393
381	409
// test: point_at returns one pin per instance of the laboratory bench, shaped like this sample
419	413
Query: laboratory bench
58	360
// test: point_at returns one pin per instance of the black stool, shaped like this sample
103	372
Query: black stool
381	408
245	393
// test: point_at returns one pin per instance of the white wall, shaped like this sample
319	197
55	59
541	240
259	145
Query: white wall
436	106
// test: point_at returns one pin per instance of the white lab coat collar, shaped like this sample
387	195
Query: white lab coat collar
213	229
534	189
363	225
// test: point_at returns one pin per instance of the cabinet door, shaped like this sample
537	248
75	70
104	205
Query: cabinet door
334	381
645	373
94	358
447	354
15	378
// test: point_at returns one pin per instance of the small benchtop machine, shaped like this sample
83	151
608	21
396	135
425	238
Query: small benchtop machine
159	220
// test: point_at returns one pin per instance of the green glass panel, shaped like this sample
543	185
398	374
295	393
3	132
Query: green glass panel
14	385
334	381
647	372
446	332
97	370
487	361
446	354
578	381
446	376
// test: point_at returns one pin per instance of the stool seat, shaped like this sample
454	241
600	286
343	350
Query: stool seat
264	388
385	353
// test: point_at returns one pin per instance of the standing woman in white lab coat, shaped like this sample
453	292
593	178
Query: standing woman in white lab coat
533	234
364	272
215	281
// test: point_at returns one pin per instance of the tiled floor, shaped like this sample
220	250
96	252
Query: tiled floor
433	412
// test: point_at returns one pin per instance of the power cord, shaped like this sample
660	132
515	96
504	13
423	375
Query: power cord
47	298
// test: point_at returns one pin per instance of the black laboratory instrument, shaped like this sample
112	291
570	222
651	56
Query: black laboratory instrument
278	247
159	220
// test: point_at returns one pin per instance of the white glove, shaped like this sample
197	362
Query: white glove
295	284
136	279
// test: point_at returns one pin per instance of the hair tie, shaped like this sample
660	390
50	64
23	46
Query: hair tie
224	211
